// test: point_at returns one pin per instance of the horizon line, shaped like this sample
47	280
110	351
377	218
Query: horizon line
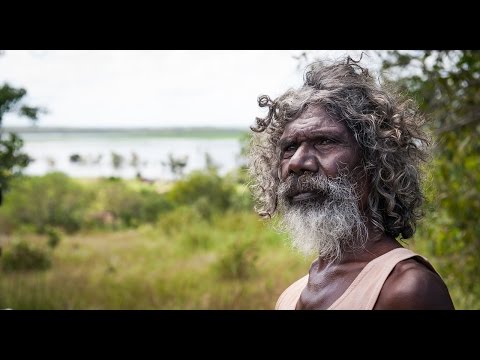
184	127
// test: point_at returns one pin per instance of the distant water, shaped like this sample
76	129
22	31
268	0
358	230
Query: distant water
52	152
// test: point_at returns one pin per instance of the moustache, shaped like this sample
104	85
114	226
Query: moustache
305	187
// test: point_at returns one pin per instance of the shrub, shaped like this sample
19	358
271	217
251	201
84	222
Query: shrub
238	262
178	220
153	204
54	237
50	200
205	189
21	256
197	237
242	199
129	206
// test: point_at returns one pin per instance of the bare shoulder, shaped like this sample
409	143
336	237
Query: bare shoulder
412	286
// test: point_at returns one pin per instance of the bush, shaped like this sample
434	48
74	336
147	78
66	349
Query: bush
21	256
242	199
50	200
129	206
54	237
55	201
196	237
238	262
206	190
153	204
179	220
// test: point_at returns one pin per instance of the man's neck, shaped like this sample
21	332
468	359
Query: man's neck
376	245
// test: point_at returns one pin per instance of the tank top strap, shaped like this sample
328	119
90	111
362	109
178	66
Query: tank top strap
288	299
363	292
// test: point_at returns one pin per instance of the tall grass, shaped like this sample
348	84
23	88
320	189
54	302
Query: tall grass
117	245
151	267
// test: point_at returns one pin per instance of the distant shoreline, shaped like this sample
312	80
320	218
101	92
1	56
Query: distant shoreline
170	132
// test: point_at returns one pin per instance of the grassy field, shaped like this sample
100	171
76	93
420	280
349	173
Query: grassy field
191	244
232	262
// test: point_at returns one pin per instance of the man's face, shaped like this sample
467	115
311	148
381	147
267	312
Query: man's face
318	144
318	193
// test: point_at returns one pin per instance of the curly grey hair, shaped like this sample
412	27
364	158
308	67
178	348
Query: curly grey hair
386	125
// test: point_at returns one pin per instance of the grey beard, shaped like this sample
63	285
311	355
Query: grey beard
328	226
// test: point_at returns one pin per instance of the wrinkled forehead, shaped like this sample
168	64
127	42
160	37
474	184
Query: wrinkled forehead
314	118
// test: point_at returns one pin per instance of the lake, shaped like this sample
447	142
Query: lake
145	153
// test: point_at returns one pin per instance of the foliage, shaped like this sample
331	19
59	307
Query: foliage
178	220
206	191
54	237
12	160
239	260
127	205
134	160
22	256
180	261
55	201
245	141
176	165
117	160
50	200
446	84
11	101
210	164
159	270
76	158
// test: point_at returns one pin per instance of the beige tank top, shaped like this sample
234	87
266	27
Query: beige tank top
363	292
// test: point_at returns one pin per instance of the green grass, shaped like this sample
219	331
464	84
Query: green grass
233	261
192	244
158	268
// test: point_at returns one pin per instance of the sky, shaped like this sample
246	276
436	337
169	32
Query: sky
150	88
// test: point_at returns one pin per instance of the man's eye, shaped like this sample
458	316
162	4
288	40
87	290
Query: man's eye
289	150
326	141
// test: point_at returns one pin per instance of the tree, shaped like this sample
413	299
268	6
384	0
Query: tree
134	160
210	165
176	164
446	85
117	160
12	160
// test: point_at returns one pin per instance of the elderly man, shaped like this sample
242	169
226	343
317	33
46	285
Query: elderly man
339	160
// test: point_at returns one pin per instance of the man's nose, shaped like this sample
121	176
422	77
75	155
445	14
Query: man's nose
303	160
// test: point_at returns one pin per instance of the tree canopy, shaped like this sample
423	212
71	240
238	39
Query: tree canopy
446	87
12	160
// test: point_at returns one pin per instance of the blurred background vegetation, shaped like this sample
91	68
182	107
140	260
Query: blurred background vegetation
446	85
195	243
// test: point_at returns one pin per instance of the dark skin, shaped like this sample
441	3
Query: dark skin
316	143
